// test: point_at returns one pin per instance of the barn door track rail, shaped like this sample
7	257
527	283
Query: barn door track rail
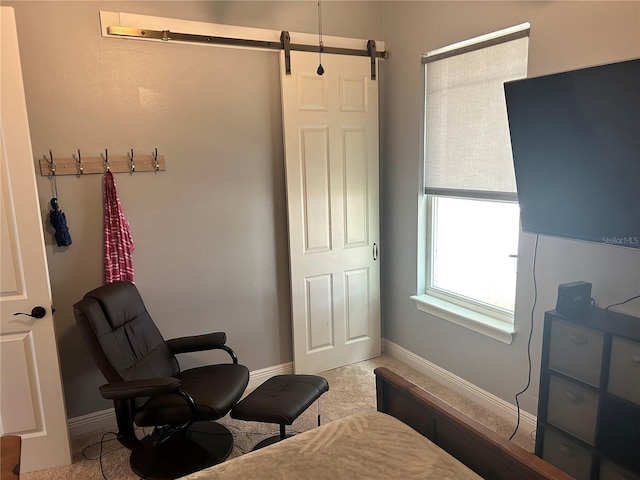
284	43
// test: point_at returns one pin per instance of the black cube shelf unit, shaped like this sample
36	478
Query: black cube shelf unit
589	398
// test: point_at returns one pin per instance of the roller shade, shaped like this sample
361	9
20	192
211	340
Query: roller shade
467	143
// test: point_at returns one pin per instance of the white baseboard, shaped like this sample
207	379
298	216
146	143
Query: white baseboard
459	385
92	421
258	377
107	418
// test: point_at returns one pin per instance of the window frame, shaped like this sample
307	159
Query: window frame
466	315
486	310
491	321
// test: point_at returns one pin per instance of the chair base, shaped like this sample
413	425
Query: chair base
269	441
203	445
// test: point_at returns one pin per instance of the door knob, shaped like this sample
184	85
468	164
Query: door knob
36	312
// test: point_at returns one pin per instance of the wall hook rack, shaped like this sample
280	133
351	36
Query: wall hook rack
79	166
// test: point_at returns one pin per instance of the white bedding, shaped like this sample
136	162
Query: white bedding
360	447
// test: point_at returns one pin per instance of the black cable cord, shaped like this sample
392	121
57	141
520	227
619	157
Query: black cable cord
102	452
102	440
533	307
622	303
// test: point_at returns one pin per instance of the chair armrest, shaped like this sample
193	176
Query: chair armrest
139	388
197	343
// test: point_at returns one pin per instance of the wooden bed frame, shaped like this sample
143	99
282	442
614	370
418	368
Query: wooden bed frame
480	449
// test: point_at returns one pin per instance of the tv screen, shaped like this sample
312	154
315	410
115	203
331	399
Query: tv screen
575	138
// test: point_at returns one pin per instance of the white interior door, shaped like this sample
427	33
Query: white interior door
331	156
31	399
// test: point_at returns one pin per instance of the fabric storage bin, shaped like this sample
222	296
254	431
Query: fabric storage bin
572	408
568	455
576	351
611	471
624	369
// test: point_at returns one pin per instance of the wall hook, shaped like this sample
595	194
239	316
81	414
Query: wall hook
52	164
79	163
132	163
106	160
156	165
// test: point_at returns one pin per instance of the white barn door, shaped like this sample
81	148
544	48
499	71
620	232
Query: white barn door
31	399
331	157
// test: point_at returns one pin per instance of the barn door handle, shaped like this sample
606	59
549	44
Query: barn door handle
36	312
375	251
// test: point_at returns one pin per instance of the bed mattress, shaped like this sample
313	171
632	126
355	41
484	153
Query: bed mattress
368	446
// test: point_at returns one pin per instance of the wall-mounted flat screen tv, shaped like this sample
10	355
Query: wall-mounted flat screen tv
575	138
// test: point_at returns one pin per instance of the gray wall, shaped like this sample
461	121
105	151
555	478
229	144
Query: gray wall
564	35
210	232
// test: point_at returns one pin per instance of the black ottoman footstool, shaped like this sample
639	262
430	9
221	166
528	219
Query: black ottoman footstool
281	400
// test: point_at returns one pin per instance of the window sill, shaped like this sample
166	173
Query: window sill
465	318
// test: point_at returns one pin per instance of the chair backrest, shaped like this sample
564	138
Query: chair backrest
122	337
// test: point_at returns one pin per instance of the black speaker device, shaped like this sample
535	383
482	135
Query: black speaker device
574	299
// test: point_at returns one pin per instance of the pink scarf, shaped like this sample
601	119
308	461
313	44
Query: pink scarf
118	244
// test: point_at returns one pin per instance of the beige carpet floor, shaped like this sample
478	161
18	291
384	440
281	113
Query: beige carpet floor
351	390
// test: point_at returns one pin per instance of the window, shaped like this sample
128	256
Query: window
471	210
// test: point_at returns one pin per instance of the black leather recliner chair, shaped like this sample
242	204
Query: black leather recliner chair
149	389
